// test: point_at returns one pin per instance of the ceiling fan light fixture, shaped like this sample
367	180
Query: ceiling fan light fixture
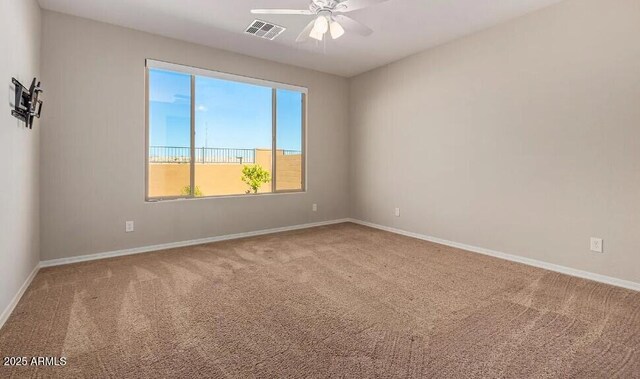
321	25
336	30
316	35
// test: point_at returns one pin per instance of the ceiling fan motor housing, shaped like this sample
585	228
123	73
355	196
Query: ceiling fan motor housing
318	6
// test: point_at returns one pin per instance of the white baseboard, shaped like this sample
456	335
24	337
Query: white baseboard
510	257
16	299
172	245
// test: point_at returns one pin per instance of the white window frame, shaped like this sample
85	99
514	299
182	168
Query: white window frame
193	72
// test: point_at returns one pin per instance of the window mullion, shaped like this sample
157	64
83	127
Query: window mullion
303	143
192	165
274	129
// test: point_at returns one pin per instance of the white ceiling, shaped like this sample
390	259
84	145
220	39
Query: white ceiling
401	27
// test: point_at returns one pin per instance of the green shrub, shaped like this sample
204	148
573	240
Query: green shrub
186	191
255	176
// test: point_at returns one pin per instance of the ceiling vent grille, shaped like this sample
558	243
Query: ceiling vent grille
264	30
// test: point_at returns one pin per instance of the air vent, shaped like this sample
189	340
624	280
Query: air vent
264	30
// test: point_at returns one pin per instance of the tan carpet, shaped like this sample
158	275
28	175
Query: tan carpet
335	301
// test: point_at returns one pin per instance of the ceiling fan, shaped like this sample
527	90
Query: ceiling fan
328	18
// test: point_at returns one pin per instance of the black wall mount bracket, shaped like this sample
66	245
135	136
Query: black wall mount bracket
27	105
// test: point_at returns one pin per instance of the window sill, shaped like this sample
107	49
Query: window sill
153	200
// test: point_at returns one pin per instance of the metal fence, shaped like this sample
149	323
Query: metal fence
224	155
169	154
175	154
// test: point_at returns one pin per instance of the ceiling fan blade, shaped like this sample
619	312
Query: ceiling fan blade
282	11
352	25
304	35
352	5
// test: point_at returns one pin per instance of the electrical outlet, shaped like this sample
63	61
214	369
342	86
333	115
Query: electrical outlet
314	207
397	212
128	226
596	245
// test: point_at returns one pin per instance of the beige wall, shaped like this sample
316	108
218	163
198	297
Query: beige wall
92	161
218	179
289	173
19	58
524	138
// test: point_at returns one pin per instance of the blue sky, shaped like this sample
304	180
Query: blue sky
228	114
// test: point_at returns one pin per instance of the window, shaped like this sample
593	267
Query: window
215	134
